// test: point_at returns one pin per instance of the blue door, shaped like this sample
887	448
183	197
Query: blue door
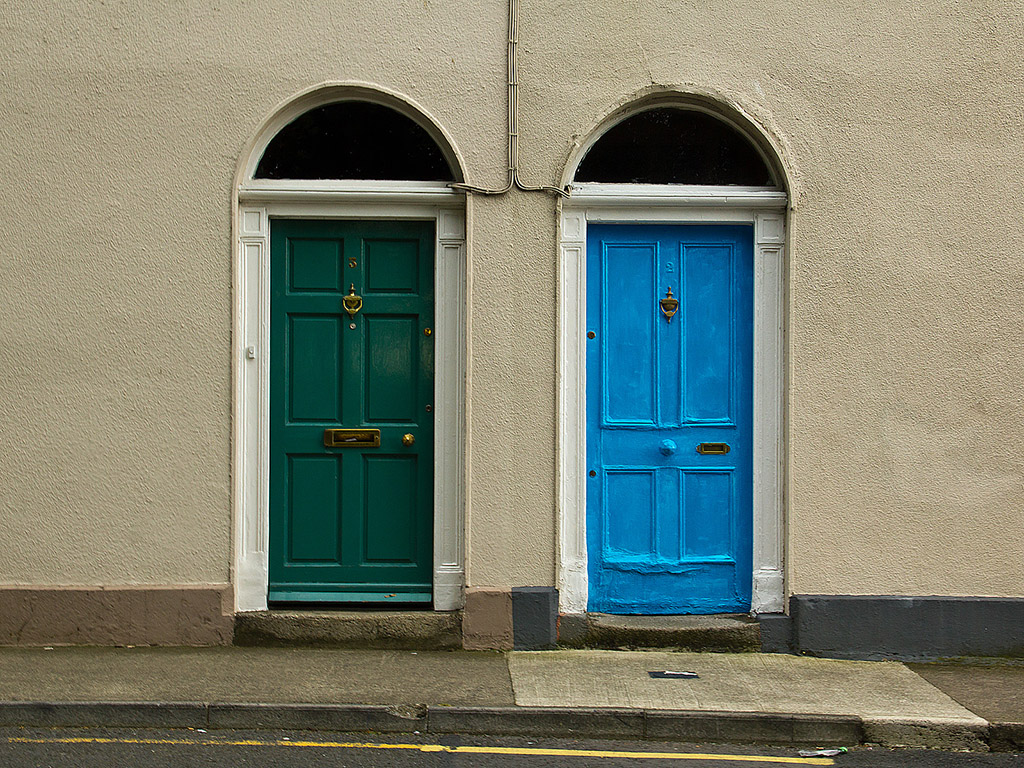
669	412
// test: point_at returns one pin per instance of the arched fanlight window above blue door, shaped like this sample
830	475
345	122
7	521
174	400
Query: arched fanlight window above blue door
354	140
672	145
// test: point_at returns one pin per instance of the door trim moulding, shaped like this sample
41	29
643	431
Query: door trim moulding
649	204
251	365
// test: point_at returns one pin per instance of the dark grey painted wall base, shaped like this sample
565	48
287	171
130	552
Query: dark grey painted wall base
895	627
534	618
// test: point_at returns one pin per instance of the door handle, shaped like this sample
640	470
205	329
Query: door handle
408	439
713	449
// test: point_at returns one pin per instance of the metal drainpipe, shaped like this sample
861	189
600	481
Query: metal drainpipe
513	121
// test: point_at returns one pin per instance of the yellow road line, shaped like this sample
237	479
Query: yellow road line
524	751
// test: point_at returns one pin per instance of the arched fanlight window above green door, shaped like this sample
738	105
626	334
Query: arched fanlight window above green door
354	140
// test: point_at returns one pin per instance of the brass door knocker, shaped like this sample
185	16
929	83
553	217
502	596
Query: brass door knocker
353	302
669	305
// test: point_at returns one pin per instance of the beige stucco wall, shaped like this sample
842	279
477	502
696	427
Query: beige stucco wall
122	130
511	409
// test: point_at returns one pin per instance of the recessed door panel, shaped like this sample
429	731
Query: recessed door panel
314	493
314	368
392	375
390	509
708	514
392	265
314	266
628	536
629	269
708	337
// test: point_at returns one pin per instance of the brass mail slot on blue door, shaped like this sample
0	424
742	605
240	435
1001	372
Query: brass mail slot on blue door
352	438
715	449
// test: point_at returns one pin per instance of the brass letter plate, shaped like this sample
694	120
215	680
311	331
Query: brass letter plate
352	438
716	449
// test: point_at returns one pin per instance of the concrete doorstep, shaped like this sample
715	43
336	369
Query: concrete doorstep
409	630
727	633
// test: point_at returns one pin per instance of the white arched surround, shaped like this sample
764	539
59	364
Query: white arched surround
256	202
765	210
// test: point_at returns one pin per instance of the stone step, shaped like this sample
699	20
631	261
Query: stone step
400	630
721	633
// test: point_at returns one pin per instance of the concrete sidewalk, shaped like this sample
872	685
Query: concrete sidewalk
744	697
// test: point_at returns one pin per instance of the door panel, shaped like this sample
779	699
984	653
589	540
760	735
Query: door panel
351	524
314	265
629	336
392	376
314	347
392	266
628	536
390	509
314	486
707	299
669	528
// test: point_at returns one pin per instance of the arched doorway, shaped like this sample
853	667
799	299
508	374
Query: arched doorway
349	340
674	505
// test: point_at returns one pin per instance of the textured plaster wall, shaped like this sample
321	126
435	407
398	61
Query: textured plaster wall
511	499
900	129
121	131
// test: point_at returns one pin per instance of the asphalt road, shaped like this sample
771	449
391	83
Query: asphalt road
101	748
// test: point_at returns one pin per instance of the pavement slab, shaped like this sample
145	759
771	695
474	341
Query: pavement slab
266	675
994	691
747	682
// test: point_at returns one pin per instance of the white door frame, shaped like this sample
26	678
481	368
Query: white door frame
679	204
259	201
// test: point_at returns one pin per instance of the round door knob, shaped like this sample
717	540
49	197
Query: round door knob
408	439
668	447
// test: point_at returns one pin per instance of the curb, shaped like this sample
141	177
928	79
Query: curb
958	735
1006	737
576	722
103	714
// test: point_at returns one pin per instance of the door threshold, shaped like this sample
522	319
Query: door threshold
713	633
346	598
338	626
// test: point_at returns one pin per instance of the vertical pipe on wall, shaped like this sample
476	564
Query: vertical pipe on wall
513	120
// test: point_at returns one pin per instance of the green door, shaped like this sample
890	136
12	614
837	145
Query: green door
351	521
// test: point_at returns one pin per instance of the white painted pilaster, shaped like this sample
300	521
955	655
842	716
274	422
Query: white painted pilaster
572	387
449	431
769	245
252	408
